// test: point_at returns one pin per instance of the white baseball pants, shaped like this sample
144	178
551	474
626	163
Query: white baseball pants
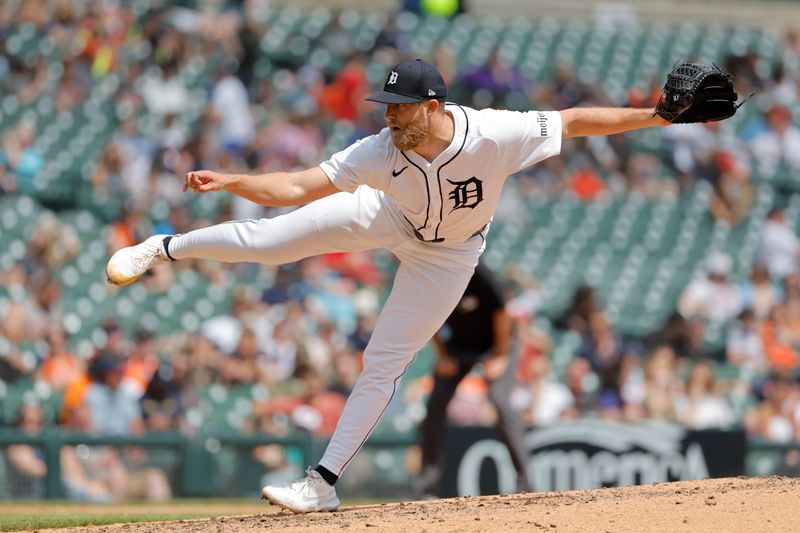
429	283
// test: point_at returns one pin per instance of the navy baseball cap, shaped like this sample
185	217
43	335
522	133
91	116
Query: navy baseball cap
409	82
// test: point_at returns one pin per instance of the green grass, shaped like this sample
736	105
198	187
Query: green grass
29	515
16	516
29	522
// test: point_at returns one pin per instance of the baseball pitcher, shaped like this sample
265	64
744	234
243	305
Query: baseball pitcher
425	188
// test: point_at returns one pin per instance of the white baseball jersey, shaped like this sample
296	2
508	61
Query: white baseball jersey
455	195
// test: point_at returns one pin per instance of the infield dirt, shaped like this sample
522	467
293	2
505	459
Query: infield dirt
730	504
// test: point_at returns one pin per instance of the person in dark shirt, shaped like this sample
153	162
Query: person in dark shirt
478	330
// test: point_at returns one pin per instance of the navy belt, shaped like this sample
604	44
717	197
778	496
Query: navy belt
419	236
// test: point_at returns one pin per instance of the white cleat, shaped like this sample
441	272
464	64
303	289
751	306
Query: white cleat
312	494
128	264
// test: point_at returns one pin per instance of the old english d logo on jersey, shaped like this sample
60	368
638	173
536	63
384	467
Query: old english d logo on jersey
468	193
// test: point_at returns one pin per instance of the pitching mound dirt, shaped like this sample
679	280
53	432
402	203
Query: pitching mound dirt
731	504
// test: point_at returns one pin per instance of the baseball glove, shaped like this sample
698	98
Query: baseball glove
696	92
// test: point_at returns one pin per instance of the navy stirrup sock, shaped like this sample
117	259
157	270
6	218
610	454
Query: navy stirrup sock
327	475
165	243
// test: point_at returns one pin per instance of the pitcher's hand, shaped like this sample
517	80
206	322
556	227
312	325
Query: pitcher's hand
201	181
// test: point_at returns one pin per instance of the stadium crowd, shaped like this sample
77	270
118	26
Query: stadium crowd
295	340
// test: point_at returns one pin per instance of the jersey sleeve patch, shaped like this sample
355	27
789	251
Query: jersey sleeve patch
525	138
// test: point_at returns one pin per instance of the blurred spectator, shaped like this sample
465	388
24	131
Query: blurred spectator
346	367
684	336
168	396
578	314
733	194
171	137
22	158
8	184
98	474
744	346
35	293
778	147
140	364
470	405
712	296
45	301
391	38
642	173
321	344
581	382
492	83
275	459
661	384
602	346
542	401
791	300
312	408
107	176
645	93
700	407
532	337
135	153
568	89
774	419
92	474
533	342
791	48
242	367
358	266
321	408
231	107
759	293
363	332
280	352
127	230
204	361
26	464
37	84
779	246
292	140
112	409
52	244
14	364
779	339
622	391
747	70
164	93
343	98
101	37
693	147
74	84
336	38
60	368
586	184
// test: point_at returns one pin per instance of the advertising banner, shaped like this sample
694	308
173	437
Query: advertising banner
588	454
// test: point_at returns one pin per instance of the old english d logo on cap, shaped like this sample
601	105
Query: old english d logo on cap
409	82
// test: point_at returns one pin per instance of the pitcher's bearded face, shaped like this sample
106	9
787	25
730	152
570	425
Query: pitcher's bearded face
409	124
